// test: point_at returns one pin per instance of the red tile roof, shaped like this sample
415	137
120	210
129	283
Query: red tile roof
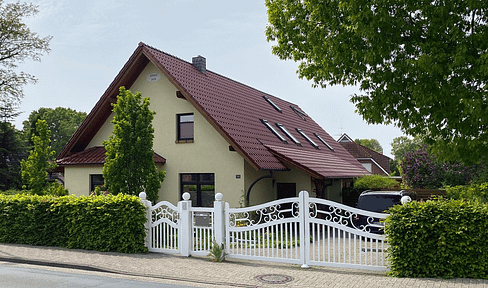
235	110
361	152
94	155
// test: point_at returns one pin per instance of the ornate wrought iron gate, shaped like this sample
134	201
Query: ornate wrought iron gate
299	230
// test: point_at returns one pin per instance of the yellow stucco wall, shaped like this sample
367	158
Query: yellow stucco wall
208	154
266	190
77	178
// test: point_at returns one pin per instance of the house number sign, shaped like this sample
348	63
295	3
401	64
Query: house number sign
153	77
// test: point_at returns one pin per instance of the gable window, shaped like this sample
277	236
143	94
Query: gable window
185	127
274	131
323	141
201	187
96	180
284	130
308	139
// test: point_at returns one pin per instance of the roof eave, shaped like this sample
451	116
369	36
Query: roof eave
103	108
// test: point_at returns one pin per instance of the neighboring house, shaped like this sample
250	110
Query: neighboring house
374	162
215	134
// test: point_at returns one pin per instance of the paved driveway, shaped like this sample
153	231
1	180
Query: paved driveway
200	272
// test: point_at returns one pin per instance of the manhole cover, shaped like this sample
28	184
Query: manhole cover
274	278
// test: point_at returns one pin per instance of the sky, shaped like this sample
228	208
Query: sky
93	39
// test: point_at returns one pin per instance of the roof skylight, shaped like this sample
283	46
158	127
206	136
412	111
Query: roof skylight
323	141
284	130
272	104
299	112
308	139
274	131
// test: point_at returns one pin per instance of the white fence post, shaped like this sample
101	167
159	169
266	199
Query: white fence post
185	231
147	225
219	221
304	229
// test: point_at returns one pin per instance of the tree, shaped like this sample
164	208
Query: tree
129	165
372	144
17	43
62	122
422	65
12	151
401	145
34	170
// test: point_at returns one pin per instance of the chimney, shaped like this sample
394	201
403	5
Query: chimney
200	63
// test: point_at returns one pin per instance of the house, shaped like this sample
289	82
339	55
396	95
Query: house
374	162
213	134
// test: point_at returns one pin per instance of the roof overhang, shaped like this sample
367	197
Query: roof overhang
317	164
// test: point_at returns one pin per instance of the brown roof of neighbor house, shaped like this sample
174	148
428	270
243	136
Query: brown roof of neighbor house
361	152
95	155
238	112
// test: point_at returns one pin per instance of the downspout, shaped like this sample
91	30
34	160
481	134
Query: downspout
256	181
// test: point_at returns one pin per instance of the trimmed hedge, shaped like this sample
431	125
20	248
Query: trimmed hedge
102	223
473	192
444	238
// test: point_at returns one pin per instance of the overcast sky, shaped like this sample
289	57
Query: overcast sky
92	40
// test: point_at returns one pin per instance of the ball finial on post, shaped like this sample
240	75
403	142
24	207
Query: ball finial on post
143	195
186	196
219	197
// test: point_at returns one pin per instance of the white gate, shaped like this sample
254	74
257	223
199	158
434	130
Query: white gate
163	229
339	239
299	230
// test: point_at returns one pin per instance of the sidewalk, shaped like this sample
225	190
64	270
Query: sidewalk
200	272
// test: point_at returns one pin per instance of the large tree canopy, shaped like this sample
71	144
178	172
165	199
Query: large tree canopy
422	65
17	43
372	144
62	122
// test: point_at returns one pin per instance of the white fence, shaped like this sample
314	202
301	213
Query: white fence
299	230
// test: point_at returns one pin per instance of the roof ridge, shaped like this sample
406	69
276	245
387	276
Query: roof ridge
217	74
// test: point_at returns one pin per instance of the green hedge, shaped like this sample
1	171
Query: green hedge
102	223
444	238
473	192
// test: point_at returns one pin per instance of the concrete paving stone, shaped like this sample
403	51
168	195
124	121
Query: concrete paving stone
202	272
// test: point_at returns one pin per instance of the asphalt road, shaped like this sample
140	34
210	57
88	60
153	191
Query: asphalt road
13	276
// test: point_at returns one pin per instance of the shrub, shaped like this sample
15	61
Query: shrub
444	238
375	182
473	192
370	182
103	223
422	170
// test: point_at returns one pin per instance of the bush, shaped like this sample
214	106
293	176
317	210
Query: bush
375	182
103	223
444	238
473	192
422	170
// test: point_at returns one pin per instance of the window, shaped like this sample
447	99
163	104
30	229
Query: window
274	131
308	139
284	130
299	112
323	141
95	180
201	188
185	127
368	167
272	104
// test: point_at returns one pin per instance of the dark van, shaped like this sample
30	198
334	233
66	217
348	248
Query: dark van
376	201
